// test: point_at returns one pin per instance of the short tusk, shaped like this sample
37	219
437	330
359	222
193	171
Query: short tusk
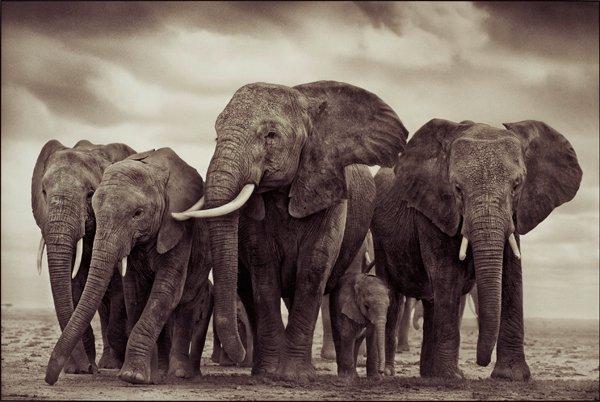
198	205
78	254
513	245
234	205
123	267
40	255
462	254
367	257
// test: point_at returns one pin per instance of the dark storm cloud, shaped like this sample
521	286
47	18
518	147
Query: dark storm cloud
106	19
382	14
554	29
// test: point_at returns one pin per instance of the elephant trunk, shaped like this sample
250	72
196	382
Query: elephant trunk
61	232
380	337
487	236
225	177
104	259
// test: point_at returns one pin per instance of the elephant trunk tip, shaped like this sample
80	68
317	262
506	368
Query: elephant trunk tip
484	354
231	341
53	369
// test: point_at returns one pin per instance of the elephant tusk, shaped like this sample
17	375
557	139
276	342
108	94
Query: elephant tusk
512	241
123	266
367	257
78	254
462	254
231	206
198	205
40	255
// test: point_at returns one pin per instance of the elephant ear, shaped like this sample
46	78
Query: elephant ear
422	174
553	172
348	299
109	153
348	125
38	204
184	186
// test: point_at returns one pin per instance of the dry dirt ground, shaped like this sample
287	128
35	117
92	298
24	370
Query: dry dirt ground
562	355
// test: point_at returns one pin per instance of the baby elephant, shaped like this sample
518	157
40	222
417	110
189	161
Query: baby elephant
361	303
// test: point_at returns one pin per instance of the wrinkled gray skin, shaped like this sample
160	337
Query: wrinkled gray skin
168	262
483	183
361	263
294	144
418	308
62	185
246	332
361	305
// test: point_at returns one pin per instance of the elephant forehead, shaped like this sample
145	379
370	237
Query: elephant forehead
131	174
254	103
490	152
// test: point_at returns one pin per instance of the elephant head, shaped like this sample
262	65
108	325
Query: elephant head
63	182
297	140
367	302
490	183
132	206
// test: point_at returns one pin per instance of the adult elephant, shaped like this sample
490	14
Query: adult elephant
63	182
287	152
165	263
469	184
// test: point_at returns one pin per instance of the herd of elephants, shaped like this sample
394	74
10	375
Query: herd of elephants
286	213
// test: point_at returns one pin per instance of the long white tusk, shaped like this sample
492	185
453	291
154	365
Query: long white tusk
123	266
367	257
234	205
198	205
462	254
40	255
78	254
513	245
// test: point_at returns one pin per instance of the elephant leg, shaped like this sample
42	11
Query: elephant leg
344	338
358	343
426	361
510	352
113	320
180	364
199	336
372	353
319	250
446	335
141	356
270	332
89	342
404	326
328	348
390	332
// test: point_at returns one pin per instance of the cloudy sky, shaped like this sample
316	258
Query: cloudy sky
154	75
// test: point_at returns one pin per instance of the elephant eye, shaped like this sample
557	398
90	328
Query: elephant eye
138	212
458	190
90	194
44	193
271	134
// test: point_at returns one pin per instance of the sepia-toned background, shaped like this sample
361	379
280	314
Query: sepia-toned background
155	74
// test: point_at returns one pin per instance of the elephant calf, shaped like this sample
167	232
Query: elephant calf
361	303
165	263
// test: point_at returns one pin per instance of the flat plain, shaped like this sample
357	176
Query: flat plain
562	354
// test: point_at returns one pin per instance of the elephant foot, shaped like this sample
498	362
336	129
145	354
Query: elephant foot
109	360
82	366
267	365
327	353
389	370
402	347
295	370
136	371
180	366
445	371
347	373
517	370
375	376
